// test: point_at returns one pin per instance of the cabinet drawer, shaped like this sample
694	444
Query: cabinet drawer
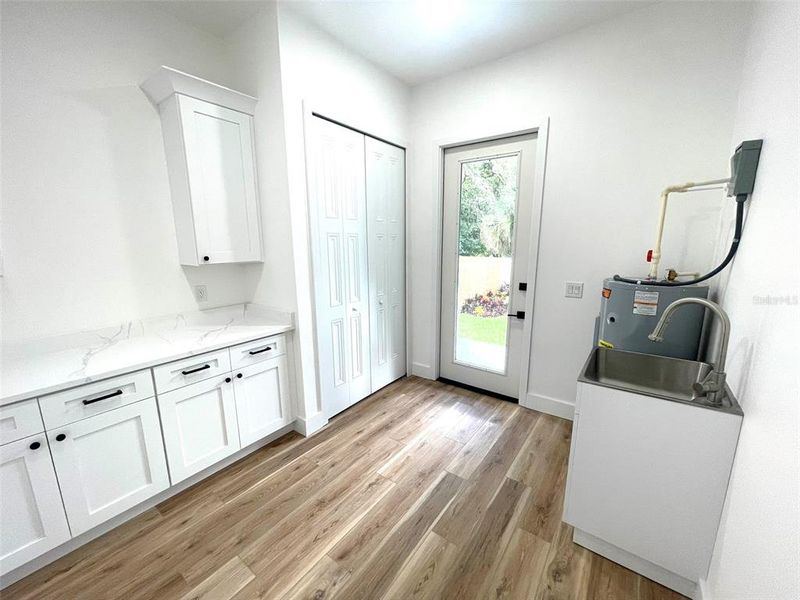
95	398
177	374
257	351
20	420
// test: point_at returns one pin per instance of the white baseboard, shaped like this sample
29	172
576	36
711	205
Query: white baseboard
636	564
551	406
702	590
310	425
86	537
423	370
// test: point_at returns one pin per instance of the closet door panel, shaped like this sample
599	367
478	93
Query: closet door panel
385	176
338	237
356	266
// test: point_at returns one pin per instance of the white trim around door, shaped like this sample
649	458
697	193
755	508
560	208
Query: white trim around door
541	127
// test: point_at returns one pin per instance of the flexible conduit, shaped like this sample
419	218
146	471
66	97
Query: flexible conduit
737	235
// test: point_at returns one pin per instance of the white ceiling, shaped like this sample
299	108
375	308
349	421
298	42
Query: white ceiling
419	40
217	17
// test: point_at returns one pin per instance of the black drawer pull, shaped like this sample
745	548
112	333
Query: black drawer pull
106	397
197	370
260	351
61	437
35	446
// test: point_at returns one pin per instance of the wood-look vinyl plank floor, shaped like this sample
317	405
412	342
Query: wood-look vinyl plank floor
421	491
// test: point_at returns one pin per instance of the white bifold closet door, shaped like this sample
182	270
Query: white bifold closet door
357	208
386	173
337	199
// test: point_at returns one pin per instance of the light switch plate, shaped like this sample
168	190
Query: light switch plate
573	289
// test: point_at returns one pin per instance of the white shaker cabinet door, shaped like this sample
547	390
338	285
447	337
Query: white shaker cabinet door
109	463
32	517
262	399
199	423
220	161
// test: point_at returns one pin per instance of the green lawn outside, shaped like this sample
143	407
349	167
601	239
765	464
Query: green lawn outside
491	330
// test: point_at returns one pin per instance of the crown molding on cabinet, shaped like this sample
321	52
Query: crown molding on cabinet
167	81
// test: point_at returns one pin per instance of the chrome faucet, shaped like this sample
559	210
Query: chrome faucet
713	386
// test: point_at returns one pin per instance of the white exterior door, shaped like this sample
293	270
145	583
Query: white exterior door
341	281
199	422
32	519
220	158
385	173
109	463
486	233
262	399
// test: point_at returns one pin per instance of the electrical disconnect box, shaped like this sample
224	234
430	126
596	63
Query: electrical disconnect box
744	164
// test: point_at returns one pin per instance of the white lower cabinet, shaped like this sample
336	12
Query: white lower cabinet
199	423
109	463
100	449
32	517
262	399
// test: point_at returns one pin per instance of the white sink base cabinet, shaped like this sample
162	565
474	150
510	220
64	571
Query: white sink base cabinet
647	480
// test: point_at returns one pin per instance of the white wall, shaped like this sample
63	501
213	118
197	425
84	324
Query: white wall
345	87
88	234
255	60
635	103
758	546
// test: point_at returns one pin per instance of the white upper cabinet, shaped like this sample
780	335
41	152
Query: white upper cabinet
210	150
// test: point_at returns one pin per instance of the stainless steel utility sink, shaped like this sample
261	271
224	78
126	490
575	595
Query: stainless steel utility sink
651	375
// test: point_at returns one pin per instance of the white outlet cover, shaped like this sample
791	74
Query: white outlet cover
573	289
201	293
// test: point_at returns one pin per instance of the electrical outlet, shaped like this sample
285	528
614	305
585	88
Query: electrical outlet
573	289
201	293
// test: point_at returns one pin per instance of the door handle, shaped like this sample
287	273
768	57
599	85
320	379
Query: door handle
520	314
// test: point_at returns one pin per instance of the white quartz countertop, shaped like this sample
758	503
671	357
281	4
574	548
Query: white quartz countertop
37	367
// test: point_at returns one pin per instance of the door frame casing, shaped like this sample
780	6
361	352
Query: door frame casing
541	127
317	108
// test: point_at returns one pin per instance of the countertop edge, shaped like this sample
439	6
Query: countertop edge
129	368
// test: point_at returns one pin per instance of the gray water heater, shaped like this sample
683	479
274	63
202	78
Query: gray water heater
630	311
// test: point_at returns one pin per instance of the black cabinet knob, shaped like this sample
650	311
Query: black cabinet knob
35	446
227	380
206	258
239	375
61	437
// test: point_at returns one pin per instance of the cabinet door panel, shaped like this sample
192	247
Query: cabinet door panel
262	399
385	177
32	517
109	463
199	423
220	157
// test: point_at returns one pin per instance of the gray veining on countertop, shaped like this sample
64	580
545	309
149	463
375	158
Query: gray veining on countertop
37	367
